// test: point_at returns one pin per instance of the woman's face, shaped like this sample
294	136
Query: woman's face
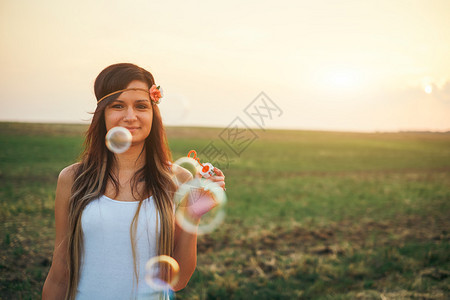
132	110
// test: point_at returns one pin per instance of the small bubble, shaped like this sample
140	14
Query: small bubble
162	273
118	139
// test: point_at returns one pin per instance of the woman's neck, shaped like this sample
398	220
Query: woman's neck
132	159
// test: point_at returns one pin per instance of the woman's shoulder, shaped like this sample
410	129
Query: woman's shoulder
67	175
66	179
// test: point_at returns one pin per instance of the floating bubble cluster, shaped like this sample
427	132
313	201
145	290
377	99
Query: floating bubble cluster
200	203
118	139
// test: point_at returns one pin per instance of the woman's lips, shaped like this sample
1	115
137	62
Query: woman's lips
132	129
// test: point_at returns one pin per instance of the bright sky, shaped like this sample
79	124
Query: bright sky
328	65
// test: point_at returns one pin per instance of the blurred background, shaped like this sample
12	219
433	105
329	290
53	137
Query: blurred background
330	120
330	65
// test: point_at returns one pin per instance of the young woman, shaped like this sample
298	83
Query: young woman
113	212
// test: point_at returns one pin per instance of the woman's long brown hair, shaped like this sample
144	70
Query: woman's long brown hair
96	169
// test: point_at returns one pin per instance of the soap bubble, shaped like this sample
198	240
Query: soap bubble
162	273
118	139
189	164
200	206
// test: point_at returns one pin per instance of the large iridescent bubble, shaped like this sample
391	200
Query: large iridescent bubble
118	139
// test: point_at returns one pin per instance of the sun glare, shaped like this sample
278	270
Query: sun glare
342	79
428	89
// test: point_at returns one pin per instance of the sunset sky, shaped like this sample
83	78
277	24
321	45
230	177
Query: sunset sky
328	65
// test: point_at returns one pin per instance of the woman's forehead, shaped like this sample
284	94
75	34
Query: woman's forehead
134	95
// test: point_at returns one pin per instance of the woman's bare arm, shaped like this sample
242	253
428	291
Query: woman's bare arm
185	251
185	246
56	284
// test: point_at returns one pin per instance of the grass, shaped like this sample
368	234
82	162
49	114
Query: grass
312	215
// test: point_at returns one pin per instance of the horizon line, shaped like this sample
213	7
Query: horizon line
445	131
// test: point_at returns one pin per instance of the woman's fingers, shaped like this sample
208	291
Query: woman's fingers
220	183
219	178
218	172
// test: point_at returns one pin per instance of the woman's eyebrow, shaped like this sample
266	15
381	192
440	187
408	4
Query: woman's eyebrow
139	100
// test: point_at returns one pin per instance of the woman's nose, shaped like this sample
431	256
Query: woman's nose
130	115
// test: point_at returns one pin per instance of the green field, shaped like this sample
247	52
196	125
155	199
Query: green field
310	215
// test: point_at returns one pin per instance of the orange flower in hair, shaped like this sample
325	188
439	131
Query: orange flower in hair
156	93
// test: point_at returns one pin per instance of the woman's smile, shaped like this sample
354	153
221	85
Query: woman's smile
132	128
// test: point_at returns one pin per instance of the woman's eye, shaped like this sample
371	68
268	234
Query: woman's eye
117	106
142	106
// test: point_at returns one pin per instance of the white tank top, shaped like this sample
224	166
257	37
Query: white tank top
107	270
